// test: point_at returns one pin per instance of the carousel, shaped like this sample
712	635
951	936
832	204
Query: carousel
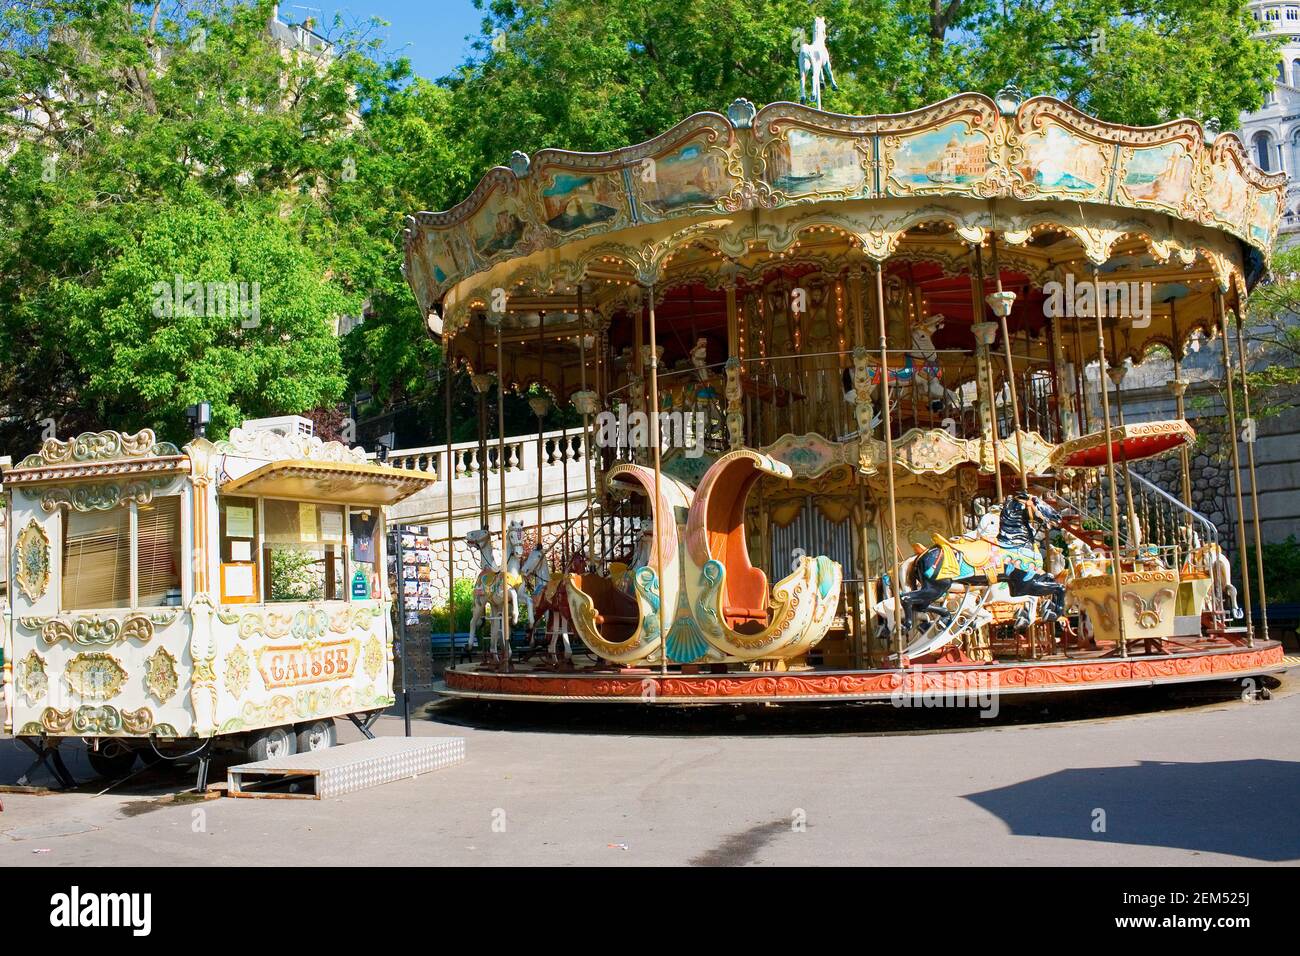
852	392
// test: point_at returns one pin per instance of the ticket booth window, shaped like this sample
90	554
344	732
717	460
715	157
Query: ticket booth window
363	525
302	551
158	553
238	550
96	559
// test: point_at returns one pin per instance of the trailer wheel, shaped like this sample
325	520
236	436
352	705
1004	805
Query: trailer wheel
317	735
271	743
112	760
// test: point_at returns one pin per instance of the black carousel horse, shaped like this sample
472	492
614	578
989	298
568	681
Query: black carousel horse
1015	559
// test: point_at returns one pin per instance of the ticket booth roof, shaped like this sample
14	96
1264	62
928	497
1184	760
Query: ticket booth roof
349	483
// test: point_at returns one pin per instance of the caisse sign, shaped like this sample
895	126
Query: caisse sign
293	665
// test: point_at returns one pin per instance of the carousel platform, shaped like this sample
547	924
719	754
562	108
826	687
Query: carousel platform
1183	663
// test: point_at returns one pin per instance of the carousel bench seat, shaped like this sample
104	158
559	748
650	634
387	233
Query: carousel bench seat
612	605
746	598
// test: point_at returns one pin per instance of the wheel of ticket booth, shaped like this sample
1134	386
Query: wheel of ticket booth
112	760
317	735
271	743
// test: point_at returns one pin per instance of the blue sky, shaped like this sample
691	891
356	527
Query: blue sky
431	33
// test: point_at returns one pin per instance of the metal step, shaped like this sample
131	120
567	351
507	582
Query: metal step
344	769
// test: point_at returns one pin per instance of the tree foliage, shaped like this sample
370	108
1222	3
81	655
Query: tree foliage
588	76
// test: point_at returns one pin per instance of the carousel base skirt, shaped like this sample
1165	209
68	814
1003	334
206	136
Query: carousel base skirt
1205	661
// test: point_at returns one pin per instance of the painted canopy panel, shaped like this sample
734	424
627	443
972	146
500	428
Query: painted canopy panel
791	155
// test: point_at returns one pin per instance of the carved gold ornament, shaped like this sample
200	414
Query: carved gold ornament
99	446
32	680
93	630
98	497
160	675
1147	612
373	661
98	721
238	669
95	675
272	446
32	561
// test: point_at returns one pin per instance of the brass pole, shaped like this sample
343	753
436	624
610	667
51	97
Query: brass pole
1236	463
1011	371
1250	464
664	612
448	476
586	420
1179	387
889	455
864	546
1115	560
1129	510
1080	380
501	486
482	424
977	307
541	447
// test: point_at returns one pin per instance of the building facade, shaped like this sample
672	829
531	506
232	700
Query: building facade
1272	133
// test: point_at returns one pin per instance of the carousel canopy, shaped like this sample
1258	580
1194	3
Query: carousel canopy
1128	443
788	192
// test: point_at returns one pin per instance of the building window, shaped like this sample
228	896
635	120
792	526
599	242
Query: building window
1272	15
1262	144
1292	13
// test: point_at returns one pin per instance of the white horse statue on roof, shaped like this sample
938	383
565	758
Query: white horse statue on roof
813	59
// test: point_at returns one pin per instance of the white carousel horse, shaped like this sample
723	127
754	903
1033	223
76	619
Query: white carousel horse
1210	558
553	603
928	377
920	370
515	566
813	59
986	526
493	591
885	609
536	573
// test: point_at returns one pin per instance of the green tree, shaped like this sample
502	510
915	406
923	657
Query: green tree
156	141
583	75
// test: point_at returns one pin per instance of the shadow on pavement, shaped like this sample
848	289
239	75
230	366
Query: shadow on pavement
1234	807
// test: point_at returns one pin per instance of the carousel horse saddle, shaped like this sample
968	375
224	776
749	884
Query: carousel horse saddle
962	557
492	578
